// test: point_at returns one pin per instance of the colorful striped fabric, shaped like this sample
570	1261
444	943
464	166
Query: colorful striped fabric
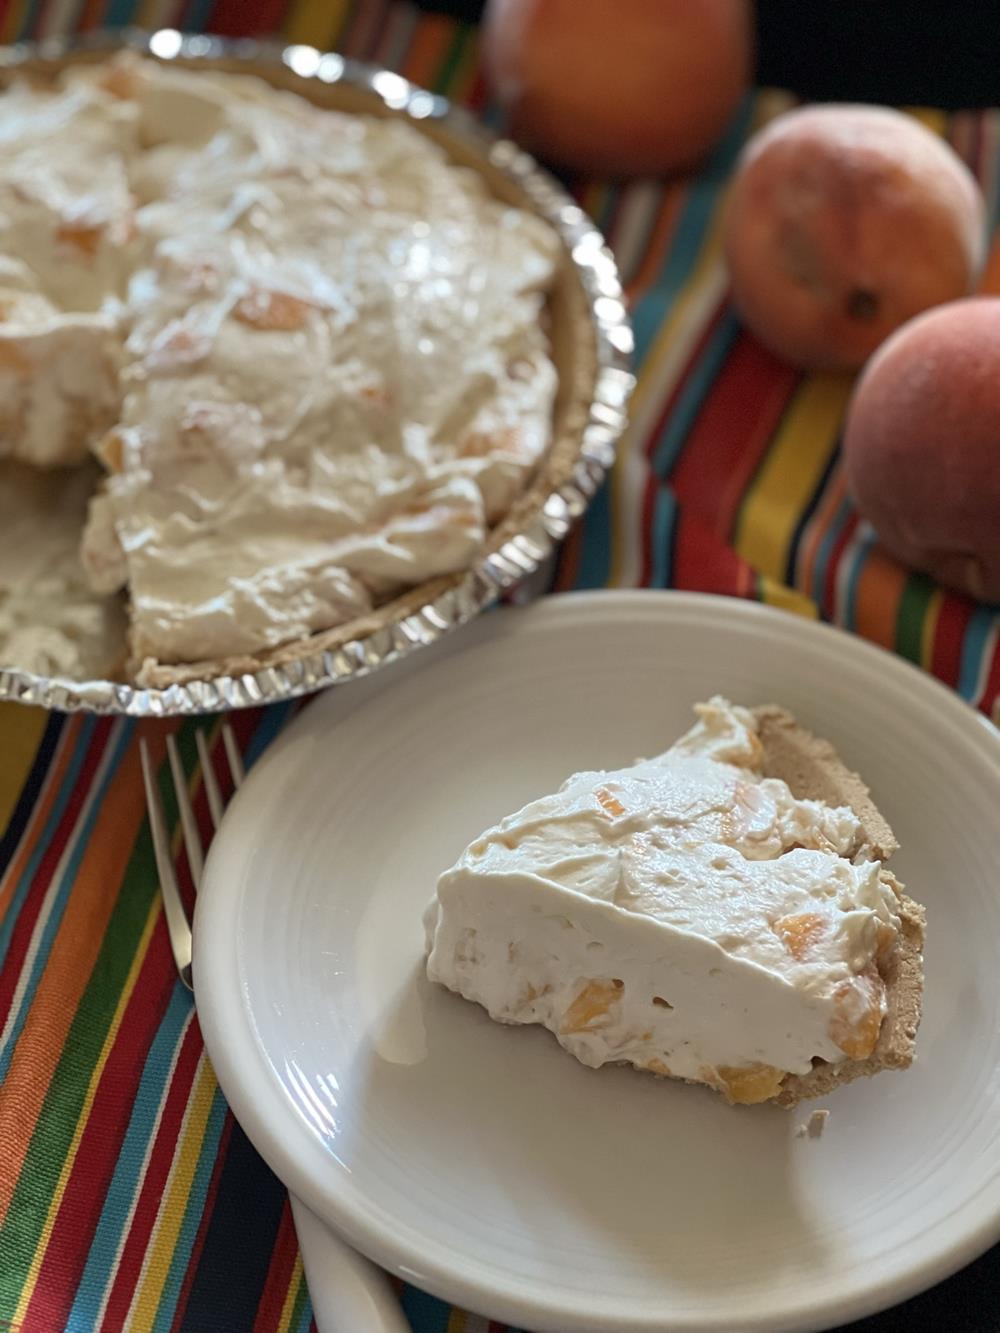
129	1198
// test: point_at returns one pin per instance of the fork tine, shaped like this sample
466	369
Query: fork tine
233	754
215	804
192	839
178	927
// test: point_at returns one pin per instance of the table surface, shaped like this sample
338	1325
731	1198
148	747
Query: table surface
129	1197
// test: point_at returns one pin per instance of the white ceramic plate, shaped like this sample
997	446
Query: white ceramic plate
480	1161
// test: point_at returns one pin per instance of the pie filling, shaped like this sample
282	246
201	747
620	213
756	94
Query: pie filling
685	915
307	348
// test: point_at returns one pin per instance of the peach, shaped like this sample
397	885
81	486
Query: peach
922	445
619	87
842	223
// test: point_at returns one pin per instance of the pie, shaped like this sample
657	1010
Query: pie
311	352
720	914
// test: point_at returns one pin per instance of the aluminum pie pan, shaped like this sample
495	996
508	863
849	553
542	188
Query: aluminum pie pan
419	617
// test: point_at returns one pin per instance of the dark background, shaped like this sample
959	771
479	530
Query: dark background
942	53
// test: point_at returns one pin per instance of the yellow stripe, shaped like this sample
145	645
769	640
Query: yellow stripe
316	22
84	1116
930	627
21	729
791	472
935	121
456	1322
291	1296
171	1214
788	599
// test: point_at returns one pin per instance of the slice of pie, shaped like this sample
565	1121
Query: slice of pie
720	914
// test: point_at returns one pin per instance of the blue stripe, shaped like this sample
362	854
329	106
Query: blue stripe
79	746
825	550
661	538
272	720
125	1182
692	395
305	1315
119	747
119	14
595	542
851	592
973	648
424	1312
198	14
193	1211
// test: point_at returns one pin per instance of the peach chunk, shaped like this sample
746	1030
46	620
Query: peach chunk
273	311
842	223
591	1006
857	1016
922	445
799	933
609	803
747	1084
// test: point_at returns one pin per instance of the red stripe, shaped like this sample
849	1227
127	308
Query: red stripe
279	1274
157	1170
949	635
703	563
363	29
991	692
732	432
31	908
479	93
80	1209
237	18
648	504
203	1224
569	560
93	13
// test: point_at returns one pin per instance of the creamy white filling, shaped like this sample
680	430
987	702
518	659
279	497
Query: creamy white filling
684	915
51	621
334	376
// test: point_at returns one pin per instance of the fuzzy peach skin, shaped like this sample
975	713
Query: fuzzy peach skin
922	445
619	87
842	223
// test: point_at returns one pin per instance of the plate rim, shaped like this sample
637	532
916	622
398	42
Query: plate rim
218	906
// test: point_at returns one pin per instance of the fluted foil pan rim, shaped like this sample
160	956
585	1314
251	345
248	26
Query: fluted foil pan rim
493	573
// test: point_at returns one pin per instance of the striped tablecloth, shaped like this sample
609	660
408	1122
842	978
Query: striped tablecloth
129	1198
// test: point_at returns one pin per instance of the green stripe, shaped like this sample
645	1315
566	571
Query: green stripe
64	1100
452	60
301	1310
911	616
63	1104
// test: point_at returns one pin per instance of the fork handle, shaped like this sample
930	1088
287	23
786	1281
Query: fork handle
349	1293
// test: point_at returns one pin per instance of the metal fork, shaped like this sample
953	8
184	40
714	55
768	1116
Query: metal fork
349	1293
178	925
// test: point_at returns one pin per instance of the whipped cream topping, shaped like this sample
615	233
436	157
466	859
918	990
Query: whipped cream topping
335	373
307	347
685	915
51	621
